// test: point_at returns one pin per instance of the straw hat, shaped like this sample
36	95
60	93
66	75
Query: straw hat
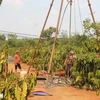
71	52
17	51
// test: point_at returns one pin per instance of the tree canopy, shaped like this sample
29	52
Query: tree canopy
47	34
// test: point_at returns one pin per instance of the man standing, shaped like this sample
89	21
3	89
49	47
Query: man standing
68	63
17	61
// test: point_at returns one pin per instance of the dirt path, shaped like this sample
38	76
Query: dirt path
67	93
62	93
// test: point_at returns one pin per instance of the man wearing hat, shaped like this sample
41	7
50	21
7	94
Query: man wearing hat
68	63
17	61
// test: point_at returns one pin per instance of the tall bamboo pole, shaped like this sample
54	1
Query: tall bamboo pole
70	21
56	34
40	35
96	30
91	11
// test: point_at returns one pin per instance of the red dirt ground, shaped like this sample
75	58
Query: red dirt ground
62	93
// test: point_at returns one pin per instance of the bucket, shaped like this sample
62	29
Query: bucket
23	73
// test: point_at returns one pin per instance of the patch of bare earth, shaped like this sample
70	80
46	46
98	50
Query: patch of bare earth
62	93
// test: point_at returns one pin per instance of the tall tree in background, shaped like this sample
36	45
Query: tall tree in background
92	29
47	34
2	37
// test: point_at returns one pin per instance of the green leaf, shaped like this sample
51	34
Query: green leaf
24	91
9	97
98	92
79	79
90	75
17	92
98	74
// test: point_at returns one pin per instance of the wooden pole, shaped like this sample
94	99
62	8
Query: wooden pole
91	11
96	30
56	34
70	22
40	36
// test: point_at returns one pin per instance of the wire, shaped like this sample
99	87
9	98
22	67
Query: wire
75	15
18	34
80	15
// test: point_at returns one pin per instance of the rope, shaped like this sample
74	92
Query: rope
80	15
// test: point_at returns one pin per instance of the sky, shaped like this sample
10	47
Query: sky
28	16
